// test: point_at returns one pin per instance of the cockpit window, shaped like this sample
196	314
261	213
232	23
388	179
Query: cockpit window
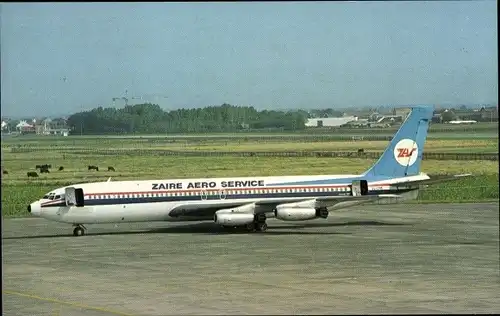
49	196
53	196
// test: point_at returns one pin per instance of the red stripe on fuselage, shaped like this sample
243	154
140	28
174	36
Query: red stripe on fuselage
52	202
234	189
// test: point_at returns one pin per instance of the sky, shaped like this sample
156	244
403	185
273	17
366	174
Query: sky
60	58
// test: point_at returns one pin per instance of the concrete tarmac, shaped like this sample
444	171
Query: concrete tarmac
377	259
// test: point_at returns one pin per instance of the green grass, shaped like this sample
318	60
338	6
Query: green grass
147	167
242	145
479	188
16	197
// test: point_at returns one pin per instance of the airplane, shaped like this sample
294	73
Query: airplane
246	202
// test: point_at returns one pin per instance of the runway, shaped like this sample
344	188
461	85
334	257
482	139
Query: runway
379	259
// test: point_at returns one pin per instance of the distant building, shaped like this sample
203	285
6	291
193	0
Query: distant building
463	122
375	116
330	121
465	114
403	112
359	123
391	119
489	114
52	127
24	128
437	118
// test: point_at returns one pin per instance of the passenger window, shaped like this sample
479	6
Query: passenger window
57	197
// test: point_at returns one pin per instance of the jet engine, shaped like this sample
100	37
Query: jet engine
300	214
233	219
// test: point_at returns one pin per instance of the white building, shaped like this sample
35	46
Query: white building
330	121
23	126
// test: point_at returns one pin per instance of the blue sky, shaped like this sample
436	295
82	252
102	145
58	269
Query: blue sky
60	58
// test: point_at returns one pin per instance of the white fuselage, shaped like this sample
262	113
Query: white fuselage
150	200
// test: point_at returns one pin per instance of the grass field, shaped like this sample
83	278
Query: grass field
484	128
245	145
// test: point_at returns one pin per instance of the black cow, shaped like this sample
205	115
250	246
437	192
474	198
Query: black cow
111	168
5	172
94	168
45	166
61	168
44	170
32	174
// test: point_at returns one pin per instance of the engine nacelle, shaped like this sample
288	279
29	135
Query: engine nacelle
300	214
247	208
233	219
302	204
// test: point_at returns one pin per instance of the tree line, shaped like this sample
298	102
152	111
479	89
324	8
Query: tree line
149	118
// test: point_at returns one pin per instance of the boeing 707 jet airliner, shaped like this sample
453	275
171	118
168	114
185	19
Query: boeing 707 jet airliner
246	202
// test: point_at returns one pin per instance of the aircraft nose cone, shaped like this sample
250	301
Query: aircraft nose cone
34	209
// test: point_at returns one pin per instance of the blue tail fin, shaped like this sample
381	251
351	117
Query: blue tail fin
403	156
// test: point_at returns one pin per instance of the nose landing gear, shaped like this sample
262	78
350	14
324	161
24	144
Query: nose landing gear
79	230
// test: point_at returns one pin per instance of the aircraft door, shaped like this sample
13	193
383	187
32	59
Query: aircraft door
359	187
74	197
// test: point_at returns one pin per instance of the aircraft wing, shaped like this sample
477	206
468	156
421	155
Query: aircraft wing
266	206
338	202
331	202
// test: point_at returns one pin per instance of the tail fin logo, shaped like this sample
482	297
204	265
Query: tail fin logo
406	152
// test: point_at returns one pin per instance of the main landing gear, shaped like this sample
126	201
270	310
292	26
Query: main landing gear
258	225
79	230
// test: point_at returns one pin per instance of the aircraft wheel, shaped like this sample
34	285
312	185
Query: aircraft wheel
261	227
250	227
78	231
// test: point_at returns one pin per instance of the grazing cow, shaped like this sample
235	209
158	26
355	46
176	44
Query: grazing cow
61	168
94	168
111	168
45	166
44	170
361	151
32	174
5	172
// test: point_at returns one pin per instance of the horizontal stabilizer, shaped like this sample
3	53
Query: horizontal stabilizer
342	202
441	179
372	197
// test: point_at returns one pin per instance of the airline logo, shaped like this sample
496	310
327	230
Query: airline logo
406	152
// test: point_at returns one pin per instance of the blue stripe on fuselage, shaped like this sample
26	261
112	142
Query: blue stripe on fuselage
216	197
